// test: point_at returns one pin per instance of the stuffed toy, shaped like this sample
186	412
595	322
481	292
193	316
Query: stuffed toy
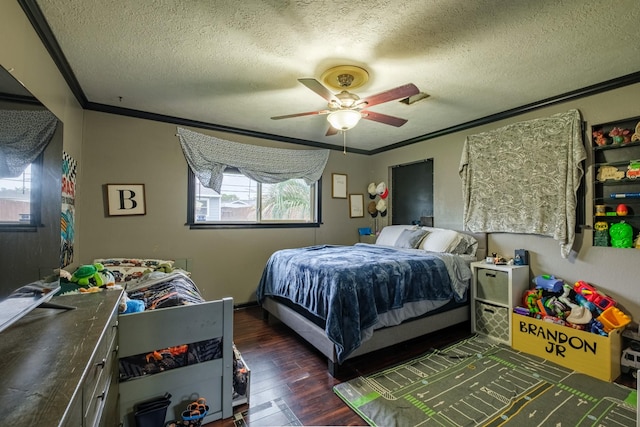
621	235
93	275
165	268
128	305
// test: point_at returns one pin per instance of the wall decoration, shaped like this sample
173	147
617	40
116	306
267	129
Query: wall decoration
67	220
338	186
543	203
125	199
356	205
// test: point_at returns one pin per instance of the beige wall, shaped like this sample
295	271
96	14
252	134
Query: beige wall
614	271
223	262
22	53
229	262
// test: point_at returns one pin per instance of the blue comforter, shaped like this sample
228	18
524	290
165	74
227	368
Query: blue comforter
348	286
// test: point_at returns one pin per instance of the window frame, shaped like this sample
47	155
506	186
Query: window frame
191	198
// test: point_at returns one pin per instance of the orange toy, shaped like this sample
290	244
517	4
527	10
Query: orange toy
613	318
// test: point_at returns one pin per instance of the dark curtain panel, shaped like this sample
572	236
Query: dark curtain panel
412	192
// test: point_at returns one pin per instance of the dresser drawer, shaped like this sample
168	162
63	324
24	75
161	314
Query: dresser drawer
492	285
100	374
74	414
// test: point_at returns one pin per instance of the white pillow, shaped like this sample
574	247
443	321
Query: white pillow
389	234
440	240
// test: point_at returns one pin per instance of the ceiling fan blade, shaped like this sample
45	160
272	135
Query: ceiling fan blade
331	131
318	88
383	118
403	91
309	113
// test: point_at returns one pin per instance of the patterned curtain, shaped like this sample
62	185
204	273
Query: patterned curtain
523	178
209	156
25	134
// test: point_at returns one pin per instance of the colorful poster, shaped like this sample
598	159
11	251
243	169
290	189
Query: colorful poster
67	221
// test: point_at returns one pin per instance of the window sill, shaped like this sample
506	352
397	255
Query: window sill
209	225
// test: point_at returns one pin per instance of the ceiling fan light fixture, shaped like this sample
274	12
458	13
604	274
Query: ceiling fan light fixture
344	119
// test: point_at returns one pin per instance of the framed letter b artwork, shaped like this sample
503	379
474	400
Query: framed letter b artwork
125	199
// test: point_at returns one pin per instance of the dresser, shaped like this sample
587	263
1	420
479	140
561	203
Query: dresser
60	367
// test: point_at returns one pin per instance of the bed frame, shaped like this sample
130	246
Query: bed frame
381	338
151	330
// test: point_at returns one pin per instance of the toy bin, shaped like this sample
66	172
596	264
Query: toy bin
584	352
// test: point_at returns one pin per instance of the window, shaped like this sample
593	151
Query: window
244	202
20	199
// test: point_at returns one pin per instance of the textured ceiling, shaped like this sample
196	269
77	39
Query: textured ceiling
236	63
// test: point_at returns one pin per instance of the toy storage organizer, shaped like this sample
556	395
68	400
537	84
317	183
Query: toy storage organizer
584	352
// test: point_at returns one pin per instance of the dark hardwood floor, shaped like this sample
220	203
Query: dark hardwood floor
285	366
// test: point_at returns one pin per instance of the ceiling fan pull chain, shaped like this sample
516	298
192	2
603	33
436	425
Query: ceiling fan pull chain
344	142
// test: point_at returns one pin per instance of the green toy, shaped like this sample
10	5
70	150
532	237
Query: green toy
621	235
165	268
91	275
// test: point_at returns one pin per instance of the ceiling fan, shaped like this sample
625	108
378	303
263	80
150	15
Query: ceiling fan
345	109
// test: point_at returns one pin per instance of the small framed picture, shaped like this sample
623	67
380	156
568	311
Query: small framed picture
356	205
338	186
125	199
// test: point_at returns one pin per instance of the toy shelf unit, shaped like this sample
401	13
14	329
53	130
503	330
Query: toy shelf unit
616	188
495	291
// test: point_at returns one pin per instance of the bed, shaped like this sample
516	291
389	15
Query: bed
180	344
351	300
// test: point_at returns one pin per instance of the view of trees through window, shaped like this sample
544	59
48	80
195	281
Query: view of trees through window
243	200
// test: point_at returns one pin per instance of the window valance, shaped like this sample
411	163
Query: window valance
208	157
25	134
523	178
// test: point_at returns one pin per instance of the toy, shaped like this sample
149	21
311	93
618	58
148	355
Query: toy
601	301
128	305
613	318
597	328
167	268
548	283
601	234
522	310
622	209
621	235
600	139
638	241
555	307
633	170
636	135
583	302
630	361
133	306
579	316
94	275
530	300
609	172
619	135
